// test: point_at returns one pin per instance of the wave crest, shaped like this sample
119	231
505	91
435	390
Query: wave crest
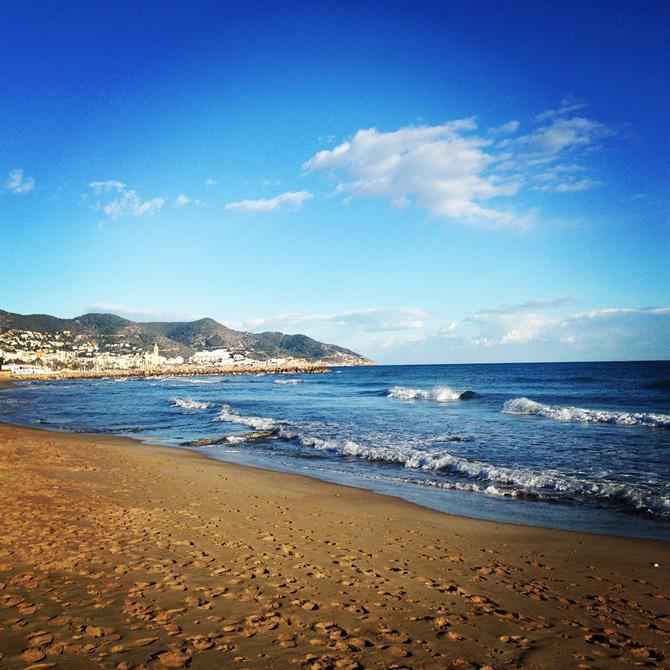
189	403
438	393
229	415
527	407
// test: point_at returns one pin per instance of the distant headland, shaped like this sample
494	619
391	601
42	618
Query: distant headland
94	345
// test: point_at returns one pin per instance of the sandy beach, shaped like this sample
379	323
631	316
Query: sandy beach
119	555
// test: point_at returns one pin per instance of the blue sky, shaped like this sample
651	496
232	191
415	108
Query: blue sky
422	182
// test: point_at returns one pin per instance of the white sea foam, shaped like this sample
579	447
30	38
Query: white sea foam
439	394
288	381
229	415
526	407
235	439
189	403
480	476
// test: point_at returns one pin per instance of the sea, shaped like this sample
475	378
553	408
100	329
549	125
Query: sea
579	446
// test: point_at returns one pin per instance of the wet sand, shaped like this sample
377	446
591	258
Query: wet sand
118	555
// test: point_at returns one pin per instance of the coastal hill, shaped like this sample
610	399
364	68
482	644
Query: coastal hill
108	333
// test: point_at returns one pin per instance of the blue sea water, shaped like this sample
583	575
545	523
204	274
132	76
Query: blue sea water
582	446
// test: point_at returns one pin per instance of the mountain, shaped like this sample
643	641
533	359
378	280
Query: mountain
177	338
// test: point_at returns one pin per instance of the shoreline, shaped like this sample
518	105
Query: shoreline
557	526
133	442
118	554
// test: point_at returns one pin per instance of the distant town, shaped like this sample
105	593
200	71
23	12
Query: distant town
101	344
26	352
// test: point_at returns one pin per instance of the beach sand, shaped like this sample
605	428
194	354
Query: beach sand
119	555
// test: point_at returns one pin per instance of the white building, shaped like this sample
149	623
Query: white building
216	357
153	359
176	360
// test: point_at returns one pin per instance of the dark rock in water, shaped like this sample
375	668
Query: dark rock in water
468	395
257	435
204	442
210	441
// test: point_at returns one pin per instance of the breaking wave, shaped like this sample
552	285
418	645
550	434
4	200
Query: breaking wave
479	476
229	415
526	407
288	381
189	403
439	394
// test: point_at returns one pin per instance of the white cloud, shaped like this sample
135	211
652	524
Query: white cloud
506	128
130	204
564	178
100	187
126	202
561	134
291	200
210	182
448	329
17	183
518	324
437	167
456	173
568	104
182	200
572	186
523	324
544	329
383	319
536	331
619	312
524	307
371	320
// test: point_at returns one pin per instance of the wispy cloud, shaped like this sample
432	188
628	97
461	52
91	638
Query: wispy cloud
516	324
124	202
182	200
291	200
535	330
373	319
569	104
18	184
100	187
130	204
210	182
506	128
456	173
528	306
530	322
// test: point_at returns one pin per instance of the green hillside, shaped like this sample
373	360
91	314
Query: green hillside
181	338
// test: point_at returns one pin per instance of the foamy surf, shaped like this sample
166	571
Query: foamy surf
288	382
565	443
229	415
438	394
480	476
527	407
189	403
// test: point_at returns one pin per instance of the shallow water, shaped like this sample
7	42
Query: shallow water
581	446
